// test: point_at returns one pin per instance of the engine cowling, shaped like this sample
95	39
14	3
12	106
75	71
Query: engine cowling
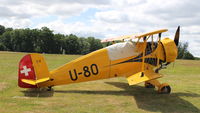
170	48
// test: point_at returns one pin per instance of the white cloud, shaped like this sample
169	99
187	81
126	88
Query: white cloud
30	8
112	18
16	23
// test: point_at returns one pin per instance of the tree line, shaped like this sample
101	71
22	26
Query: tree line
45	41
183	52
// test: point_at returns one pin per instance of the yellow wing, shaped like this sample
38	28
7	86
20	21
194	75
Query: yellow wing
117	38
151	33
142	77
134	36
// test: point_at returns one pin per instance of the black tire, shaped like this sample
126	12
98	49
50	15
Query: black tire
165	90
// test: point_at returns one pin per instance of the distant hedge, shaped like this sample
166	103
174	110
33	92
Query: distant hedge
45	41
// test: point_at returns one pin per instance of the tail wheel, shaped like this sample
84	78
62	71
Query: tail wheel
148	85
164	89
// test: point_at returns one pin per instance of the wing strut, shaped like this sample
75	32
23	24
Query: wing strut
143	55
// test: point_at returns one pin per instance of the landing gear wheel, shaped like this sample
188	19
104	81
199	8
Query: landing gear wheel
148	85
164	89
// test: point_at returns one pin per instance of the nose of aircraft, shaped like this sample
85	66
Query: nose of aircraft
171	47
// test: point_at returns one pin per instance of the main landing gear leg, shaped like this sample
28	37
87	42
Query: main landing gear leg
163	88
49	88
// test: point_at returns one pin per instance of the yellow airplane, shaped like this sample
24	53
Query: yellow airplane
138	61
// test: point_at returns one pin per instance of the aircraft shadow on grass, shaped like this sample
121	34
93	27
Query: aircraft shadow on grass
38	92
148	99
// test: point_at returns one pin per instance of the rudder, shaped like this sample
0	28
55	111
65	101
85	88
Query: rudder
32	71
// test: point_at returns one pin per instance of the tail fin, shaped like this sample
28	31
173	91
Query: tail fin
32	71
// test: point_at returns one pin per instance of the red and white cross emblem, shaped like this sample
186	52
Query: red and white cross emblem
25	70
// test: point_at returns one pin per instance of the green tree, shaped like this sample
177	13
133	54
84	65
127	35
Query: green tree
59	43
2	47
6	41
8	29
95	44
2	29
188	55
182	48
183	52
28	43
84	46
45	42
71	44
21	40
17	39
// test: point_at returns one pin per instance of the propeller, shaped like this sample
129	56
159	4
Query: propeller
176	38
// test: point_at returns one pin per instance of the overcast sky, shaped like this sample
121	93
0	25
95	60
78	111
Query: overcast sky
106	18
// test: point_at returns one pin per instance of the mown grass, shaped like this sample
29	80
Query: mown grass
102	96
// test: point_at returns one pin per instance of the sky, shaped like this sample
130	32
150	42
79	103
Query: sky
106	18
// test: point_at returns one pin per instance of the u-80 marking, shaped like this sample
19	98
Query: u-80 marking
87	72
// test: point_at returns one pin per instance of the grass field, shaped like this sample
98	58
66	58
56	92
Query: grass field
102	96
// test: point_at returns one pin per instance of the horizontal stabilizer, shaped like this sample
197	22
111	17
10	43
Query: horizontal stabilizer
34	82
142	77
